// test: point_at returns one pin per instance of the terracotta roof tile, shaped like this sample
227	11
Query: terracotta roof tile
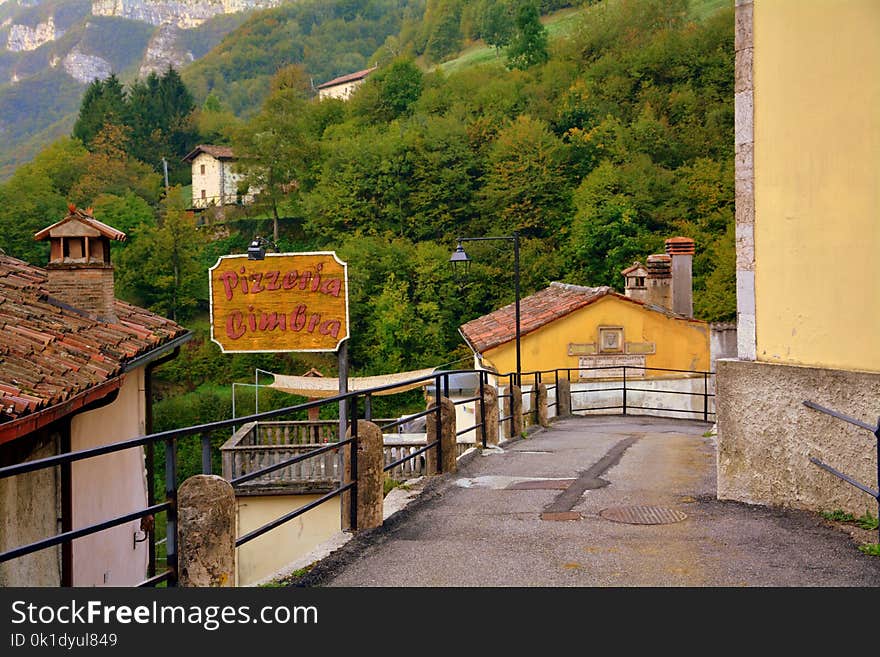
536	310
219	152
543	307
49	354
350	77
82	216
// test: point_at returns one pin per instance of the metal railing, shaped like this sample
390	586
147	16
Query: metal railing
837	473
204	433
626	387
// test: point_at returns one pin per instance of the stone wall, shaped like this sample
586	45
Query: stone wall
767	436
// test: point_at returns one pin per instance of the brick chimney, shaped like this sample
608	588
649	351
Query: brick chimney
681	249
659	281
79	270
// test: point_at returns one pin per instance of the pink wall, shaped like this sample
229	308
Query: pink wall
109	486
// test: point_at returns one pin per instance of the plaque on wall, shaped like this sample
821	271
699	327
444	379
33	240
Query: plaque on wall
611	339
612	366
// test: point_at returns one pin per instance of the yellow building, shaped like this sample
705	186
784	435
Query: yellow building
807	100
583	328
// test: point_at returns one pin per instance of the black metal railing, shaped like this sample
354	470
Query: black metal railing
626	406
205	432
837	473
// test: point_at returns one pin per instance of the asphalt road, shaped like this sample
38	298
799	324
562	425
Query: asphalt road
529	515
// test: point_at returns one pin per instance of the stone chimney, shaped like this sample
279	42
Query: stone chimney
681	249
79	271
635	282
659	281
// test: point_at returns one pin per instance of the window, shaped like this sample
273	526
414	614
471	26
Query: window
640	281
202	170
203	194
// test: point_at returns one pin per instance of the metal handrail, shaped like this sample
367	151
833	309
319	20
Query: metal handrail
837	473
411	456
205	431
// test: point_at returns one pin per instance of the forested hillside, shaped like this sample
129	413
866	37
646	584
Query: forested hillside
595	146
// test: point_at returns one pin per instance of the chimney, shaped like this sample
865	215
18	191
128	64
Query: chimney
659	281
681	249
79	271
635	282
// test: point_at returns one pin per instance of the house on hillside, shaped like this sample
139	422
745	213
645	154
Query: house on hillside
343	86
214	181
75	367
583	328
807	139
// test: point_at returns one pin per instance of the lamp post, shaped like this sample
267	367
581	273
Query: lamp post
460	260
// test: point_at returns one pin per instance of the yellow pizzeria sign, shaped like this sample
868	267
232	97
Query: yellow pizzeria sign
286	302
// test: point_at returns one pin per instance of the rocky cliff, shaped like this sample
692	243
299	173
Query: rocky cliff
185	14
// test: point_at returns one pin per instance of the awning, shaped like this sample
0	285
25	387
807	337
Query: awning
325	386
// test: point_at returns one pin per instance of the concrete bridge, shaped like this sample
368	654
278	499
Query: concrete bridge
594	501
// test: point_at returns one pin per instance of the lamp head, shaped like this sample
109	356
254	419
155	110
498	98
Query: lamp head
257	248
460	261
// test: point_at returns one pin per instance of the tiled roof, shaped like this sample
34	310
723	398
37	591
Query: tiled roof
351	77
536	310
218	152
543	307
50	352
85	217
634	267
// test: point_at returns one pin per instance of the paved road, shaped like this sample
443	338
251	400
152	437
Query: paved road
490	524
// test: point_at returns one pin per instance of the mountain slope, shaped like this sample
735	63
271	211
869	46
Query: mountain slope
50	51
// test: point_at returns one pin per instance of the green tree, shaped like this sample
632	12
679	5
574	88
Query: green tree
524	187
528	43
161	267
104	102
108	169
399	86
277	147
162	125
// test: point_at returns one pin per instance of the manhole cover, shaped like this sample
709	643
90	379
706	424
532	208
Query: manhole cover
643	515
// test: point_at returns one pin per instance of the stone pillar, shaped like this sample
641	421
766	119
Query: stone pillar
563	398
206	532
370	475
448	439
541	402
516	424
490	402
744	180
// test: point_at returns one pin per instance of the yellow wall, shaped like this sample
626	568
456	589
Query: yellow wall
266	555
817	182
681	344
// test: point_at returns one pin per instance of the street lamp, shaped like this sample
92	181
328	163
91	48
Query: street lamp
257	248
461	264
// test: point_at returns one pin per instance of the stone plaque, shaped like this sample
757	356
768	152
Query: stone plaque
634	366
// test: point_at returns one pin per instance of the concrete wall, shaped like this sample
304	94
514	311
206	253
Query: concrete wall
722	342
109	486
219	180
274	550
767	436
340	91
30	508
603	395
816	67
679	343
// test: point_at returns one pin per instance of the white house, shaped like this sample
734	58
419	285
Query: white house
213	180
343	86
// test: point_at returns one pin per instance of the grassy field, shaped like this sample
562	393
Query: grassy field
558	24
